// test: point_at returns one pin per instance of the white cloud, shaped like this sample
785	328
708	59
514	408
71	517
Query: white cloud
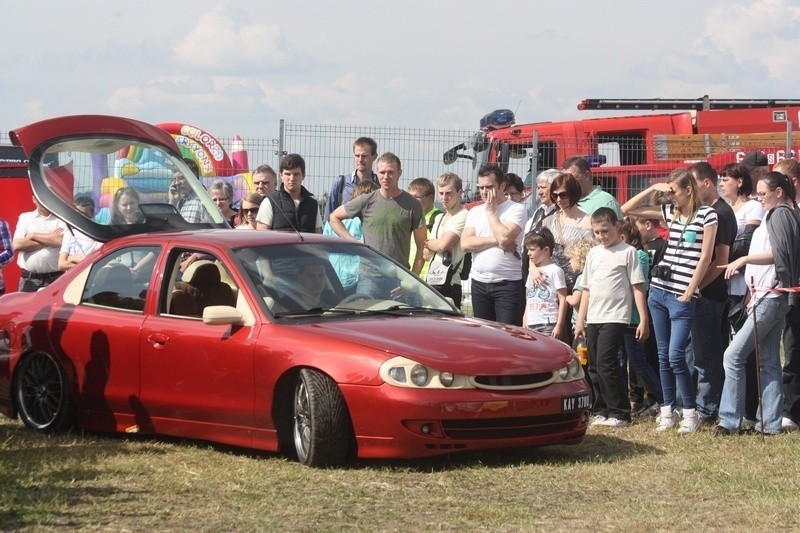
764	31
218	42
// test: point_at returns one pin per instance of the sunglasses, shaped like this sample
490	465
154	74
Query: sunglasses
251	210
563	195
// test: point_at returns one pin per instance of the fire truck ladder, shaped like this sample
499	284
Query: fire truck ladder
698	104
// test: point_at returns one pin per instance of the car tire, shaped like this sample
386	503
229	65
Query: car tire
321	426
42	394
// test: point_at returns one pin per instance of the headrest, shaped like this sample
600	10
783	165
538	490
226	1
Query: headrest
114	275
205	274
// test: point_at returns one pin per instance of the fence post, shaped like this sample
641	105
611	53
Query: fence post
281	132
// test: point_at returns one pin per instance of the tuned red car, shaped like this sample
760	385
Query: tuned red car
255	338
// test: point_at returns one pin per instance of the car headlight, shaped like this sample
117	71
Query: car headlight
572	371
404	372
419	375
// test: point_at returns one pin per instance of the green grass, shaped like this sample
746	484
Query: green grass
618	479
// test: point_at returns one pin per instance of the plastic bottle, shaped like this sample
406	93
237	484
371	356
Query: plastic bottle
582	349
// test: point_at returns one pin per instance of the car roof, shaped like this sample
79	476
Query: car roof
230	238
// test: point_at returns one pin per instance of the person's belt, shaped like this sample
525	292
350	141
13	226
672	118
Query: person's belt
27	274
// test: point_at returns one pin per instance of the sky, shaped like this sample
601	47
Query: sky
238	67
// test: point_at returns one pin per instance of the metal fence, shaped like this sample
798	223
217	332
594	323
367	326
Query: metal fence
328	151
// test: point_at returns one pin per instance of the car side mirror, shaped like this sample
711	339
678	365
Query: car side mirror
222	314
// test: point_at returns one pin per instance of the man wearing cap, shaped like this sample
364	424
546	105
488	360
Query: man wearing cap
757	164
37	238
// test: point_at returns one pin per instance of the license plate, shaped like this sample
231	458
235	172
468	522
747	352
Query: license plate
570	404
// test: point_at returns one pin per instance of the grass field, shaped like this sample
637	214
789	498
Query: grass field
620	479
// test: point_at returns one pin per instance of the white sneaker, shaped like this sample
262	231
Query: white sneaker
689	424
598	420
787	424
614	423
667	419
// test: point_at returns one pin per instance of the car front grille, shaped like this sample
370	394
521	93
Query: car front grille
509	428
518	382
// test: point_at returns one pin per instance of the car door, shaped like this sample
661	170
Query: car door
101	335
196	378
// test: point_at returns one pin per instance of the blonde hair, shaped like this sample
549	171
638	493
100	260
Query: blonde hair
685	179
578	251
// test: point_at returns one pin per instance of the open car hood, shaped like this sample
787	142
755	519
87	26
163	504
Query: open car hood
112	160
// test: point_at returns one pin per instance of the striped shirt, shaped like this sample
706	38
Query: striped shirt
683	248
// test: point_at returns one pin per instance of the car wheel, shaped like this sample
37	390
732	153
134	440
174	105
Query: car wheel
42	394
321	427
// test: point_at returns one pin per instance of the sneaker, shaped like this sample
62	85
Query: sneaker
690	424
787	424
598	420
722	431
615	423
748	425
644	409
707	422
667	419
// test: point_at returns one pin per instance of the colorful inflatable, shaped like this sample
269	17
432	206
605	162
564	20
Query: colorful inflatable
204	148
151	173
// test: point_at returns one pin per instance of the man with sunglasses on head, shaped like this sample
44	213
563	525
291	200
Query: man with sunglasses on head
493	234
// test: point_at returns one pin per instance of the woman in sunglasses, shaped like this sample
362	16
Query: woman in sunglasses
772	261
248	211
569	224
674	287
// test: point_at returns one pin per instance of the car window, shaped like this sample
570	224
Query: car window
197	280
296	278
120	280
136	187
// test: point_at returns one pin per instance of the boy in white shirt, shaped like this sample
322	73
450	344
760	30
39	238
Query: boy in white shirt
545	304
613	281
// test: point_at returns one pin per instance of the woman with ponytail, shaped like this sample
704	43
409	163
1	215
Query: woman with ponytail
673	287
773	261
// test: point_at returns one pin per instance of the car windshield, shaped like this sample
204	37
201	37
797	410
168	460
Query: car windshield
129	186
334	279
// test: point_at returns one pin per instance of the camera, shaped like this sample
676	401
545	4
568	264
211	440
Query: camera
663	272
447	258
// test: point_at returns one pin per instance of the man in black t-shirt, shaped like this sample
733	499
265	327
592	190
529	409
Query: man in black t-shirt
710	330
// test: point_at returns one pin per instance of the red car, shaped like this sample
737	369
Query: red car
317	347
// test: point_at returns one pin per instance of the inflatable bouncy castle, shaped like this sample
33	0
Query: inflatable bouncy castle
150	174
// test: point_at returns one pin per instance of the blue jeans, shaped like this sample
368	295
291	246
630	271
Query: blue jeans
710	332
770	316
672	322
502	301
637	359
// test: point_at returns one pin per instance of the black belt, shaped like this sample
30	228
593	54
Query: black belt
26	274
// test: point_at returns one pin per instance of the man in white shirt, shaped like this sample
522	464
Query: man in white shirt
493	234
37	238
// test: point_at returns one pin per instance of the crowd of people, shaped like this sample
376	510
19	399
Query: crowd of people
682	294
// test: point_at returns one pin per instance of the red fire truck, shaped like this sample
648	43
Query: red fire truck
629	152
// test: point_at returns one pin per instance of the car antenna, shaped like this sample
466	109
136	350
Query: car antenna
289	220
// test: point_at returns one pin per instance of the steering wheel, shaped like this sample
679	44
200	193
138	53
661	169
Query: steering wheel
354	297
